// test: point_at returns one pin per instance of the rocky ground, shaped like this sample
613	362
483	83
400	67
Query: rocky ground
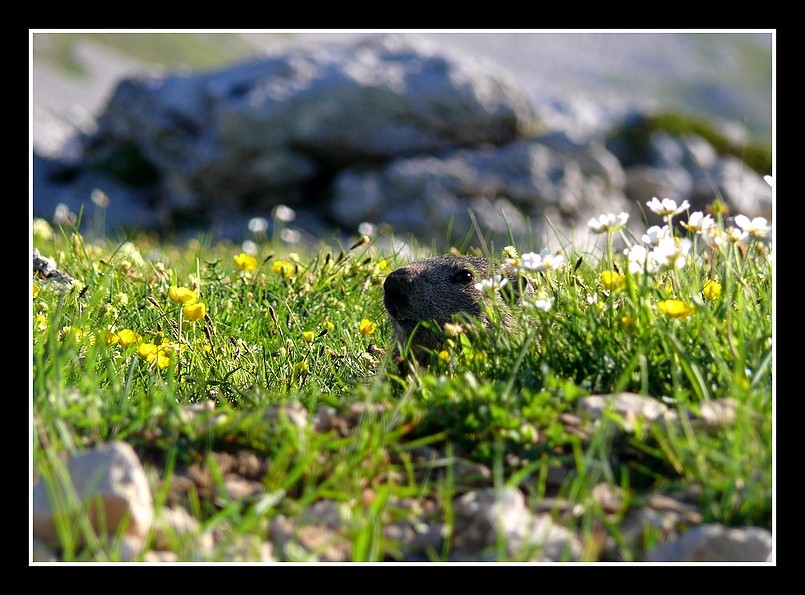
484	517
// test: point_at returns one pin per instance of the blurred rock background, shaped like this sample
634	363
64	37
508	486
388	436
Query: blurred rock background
577	100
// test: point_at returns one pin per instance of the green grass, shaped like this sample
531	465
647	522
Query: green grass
287	335
170	51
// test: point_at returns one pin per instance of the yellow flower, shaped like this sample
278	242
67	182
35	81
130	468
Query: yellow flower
284	268
711	290
36	291
182	295
128	336
163	359
41	323
444	355
308	336
245	262
147	351
300	368
613	280
328	326
675	308
111	338
367	327
150	353
194	311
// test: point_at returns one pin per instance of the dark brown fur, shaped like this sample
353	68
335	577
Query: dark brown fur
435	290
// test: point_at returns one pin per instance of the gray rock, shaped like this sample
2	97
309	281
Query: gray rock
71	184
644	182
178	524
484	516
629	406
513	187
688	168
744	191
246	132
110	483
716	543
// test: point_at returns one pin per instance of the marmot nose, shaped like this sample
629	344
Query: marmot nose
395	292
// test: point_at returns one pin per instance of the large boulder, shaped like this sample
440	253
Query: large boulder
527	187
256	132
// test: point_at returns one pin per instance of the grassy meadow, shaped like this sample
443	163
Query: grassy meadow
149	330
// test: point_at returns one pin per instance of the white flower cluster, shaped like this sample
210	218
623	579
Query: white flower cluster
660	249
531	261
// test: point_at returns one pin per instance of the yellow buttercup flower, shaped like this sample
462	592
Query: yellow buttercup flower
194	311
127	337
613	280
182	295
328	326
36	290
150	353
711	290
245	262
367	327
284	268
308	336
147	351
111	338
41	323
675	308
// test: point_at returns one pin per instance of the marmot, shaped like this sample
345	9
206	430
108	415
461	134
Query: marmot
433	290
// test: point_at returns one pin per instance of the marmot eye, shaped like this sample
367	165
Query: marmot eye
463	277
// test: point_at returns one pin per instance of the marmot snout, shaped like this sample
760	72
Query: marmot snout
433	290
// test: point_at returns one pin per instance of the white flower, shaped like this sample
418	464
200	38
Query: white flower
284	213
365	228
666	207
655	234
698	222
493	283
671	252
608	223
258	224
290	236
736	235
757	227
715	237
249	247
639	260
543	304
130	252
544	261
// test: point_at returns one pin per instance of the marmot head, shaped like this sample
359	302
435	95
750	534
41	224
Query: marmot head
434	290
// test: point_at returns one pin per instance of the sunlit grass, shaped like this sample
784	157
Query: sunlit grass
683	315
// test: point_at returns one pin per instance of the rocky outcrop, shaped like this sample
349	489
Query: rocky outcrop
388	129
256	132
